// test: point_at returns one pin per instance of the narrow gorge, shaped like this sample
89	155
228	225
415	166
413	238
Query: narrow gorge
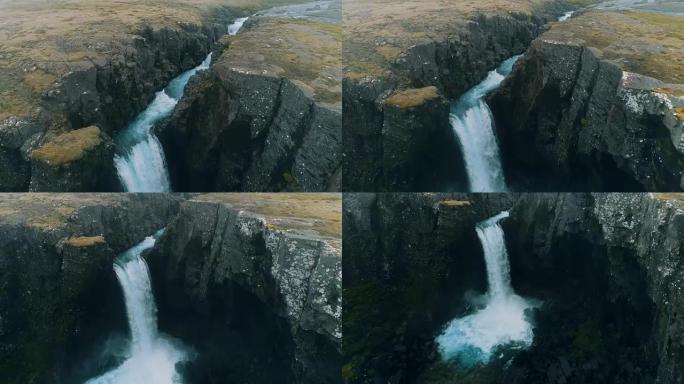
600	275
103	117
593	103
239	288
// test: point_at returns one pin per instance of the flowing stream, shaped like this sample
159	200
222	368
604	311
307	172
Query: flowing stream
501	321
151	358
140	161
472	121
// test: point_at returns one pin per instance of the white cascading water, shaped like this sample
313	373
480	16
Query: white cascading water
566	16
152	358
140	160
501	322
472	121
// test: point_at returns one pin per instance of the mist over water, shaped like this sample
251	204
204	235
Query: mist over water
472	121
151	357
502	320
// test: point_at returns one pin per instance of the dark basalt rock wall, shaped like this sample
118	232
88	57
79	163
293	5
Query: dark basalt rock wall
606	267
242	132
488	41
108	94
51	290
216	264
567	122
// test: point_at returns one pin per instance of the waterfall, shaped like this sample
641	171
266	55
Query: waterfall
501	322
140	160
566	16
152	358
235	27
472	121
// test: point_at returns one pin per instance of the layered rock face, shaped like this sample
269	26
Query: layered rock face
215	252
106	92
581	123
606	269
56	255
266	116
452	64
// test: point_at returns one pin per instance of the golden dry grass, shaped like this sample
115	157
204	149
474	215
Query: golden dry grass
68	147
83	241
413	97
307	52
45	211
455	203
42	40
647	43
317	212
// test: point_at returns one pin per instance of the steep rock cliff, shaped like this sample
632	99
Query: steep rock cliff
483	43
568	120
214	249
56	255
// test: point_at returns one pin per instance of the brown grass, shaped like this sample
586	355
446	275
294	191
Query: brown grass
42	40
376	32
81	242
647	43
317	212
412	98
68	147
305	51
455	203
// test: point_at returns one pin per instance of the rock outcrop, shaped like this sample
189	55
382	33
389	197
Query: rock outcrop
266	116
79	160
569	121
217	247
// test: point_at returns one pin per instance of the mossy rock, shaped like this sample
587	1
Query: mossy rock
69	147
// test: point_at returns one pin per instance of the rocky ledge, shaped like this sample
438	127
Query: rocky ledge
266	116
392	48
596	105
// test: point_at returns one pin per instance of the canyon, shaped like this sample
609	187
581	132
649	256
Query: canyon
258	276
593	104
58	86
606	269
